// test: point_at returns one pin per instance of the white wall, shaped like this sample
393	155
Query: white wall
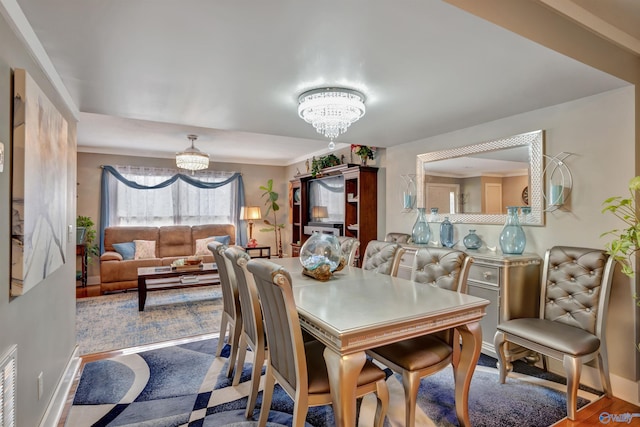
599	131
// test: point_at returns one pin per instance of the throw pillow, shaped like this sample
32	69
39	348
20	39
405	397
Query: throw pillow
145	249
201	244
127	249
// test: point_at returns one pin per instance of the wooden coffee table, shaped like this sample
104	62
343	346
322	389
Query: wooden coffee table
167	277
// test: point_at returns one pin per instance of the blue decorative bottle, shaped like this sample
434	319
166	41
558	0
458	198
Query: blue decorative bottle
446	233
421	233
512	238
472	240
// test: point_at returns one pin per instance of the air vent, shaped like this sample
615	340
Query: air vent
8	388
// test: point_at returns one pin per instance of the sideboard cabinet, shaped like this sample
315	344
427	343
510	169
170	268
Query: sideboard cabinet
510	282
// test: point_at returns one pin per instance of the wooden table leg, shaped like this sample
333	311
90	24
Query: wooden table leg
343	379
142	293
471	335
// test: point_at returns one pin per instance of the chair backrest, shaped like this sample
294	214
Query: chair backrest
442	267
349	247
249	302
284	336
230	297
382	257
576	284
397	237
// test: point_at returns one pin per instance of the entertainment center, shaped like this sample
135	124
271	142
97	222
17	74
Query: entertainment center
346	197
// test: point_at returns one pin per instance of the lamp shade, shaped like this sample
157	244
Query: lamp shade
319	212
250	213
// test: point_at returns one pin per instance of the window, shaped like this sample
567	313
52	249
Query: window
179	202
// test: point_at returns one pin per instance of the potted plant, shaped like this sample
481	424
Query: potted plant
626	242
364	151
272	206
86	235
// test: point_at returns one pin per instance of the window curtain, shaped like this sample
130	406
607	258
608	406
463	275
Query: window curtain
157	196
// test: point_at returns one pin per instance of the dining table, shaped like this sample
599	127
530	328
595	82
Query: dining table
357	310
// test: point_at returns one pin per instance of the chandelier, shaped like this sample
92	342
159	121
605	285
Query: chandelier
331	110
192	159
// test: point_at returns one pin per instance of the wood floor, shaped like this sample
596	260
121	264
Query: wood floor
587	416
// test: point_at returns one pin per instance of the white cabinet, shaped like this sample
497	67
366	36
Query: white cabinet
510	282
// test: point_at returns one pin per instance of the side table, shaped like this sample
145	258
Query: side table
81	251
258	251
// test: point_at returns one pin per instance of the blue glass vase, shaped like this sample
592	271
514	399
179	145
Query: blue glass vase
446	233
421	233
472	240
512	238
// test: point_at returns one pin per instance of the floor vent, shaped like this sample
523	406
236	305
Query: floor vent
8	388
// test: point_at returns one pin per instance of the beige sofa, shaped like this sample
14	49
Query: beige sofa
171	243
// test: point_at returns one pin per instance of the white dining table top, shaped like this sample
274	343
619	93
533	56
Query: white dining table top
376	308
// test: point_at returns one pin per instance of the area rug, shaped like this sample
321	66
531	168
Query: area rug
111	322
185	385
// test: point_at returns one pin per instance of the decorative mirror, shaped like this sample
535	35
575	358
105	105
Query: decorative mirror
475	183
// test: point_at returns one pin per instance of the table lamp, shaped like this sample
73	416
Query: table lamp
319	212
249	213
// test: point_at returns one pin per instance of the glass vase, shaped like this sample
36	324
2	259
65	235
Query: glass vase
434	215
446	233
512	237
421	233
472	240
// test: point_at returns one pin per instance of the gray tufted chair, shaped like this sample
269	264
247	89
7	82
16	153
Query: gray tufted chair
571	326
422	356
349	247
382	257
397	237
252	327
299	366
231	313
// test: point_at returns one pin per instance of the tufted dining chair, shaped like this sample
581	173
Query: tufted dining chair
231	312
382	257
252	326
299	366
576	284
397	237
425	355
349	247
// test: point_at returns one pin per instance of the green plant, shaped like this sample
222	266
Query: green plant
323	162
271	203
626	242
364	151
89	236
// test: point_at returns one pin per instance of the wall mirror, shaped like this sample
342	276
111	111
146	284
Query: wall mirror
475	183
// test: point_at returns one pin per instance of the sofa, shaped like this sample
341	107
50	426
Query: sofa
128	248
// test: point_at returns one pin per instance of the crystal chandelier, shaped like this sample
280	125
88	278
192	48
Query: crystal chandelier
192	159
331	110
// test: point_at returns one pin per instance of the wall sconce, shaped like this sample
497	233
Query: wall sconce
249	213
319	212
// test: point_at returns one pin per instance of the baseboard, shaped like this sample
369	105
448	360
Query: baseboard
57	403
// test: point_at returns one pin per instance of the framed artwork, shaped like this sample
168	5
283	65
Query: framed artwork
39	186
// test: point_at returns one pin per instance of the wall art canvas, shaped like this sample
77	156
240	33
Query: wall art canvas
39	186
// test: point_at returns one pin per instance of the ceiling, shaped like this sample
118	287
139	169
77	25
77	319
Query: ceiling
145	73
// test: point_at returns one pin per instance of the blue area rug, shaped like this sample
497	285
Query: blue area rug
184	385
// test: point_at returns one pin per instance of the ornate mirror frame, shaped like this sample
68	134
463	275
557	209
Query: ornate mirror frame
533	140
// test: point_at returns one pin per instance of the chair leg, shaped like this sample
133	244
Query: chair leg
382	396
223	333
235	331
499	344
603	367
258	361
410	383
242	354
267	396
572	367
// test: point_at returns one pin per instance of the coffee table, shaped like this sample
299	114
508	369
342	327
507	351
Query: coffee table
167	277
